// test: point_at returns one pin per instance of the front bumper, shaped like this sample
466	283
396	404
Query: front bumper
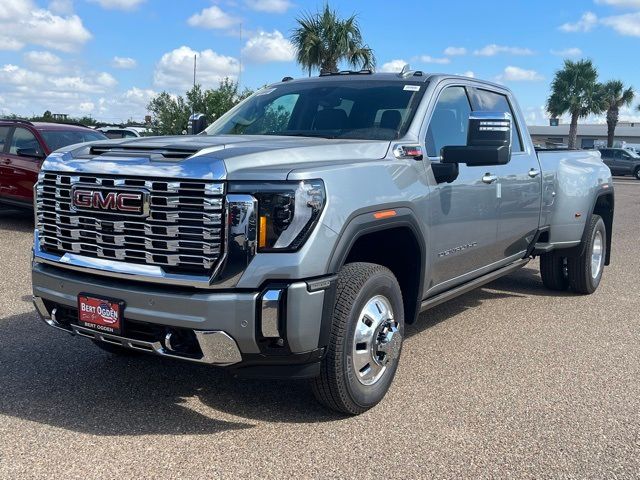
226	325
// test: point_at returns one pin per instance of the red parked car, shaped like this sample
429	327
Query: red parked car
23	147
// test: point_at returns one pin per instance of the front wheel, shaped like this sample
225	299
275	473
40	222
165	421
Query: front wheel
585	271
366	339
636	173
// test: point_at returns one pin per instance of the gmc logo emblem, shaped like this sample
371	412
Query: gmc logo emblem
132	203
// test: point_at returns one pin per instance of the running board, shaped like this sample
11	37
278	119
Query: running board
472	285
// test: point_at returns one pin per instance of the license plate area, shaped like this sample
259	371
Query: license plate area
100	314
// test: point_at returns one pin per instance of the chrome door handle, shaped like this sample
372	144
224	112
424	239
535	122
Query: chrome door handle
533	173
488	178
6	161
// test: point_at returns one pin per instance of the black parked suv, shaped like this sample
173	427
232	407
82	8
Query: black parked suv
621	161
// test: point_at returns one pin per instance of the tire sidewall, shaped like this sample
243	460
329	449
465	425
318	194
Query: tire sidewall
637	173
379	284
599	227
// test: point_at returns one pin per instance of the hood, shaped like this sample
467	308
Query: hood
234	157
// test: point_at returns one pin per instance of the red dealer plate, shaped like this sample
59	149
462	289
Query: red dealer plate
100	314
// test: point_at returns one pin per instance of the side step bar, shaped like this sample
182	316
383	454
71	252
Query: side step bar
472	285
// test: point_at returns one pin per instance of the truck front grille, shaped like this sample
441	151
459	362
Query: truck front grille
181	230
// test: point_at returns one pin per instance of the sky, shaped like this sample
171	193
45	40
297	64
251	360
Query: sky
107	58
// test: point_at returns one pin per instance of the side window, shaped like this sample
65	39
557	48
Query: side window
4	133
128	134
23	140
496	102
449	122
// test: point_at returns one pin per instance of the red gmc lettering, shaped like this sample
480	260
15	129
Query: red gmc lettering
82	198
107	202
120	205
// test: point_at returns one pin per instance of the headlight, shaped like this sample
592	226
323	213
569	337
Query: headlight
287	212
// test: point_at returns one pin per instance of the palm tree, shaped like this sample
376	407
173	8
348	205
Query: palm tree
575	90
323	40
615	96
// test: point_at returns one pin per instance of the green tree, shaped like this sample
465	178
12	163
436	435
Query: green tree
170	114
323	40
575	90
615	96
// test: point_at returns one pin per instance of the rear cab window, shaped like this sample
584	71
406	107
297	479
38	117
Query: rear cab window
497	102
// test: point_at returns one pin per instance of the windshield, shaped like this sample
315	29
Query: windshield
369	110
56	139
632	153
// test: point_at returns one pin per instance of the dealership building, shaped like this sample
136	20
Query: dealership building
589	136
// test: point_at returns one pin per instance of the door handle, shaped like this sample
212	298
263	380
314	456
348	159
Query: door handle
488	178
533	173
6	161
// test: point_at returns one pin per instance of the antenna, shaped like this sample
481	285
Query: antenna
240	59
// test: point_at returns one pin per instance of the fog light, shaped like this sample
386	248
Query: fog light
270	325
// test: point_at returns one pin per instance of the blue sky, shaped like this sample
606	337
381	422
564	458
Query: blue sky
107	58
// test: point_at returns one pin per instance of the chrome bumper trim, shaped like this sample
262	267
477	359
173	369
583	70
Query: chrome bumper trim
217	347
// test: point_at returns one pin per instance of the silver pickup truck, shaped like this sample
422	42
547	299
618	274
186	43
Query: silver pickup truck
300	233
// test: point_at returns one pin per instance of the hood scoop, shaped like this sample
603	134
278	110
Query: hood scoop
139	151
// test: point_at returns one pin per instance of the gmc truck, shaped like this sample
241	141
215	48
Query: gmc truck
300	233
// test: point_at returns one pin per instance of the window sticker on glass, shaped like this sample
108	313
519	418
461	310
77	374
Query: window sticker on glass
412	88
266	91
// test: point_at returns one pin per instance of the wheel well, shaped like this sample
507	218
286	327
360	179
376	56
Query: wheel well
604	207
398	250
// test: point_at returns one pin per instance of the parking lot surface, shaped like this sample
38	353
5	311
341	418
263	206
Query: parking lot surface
507	381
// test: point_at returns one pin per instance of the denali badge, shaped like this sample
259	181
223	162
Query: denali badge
128	202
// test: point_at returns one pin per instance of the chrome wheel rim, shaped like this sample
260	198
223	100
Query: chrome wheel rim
376	342
597	255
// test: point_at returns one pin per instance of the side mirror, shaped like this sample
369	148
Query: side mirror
29	152
488	141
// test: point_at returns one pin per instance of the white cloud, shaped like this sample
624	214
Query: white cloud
586	23
78	84
493	49
17	76
23	23
628	24
567	52
213	17
517	74
106	80
175	68
455	51
430	59
268	47
394	66
469	74
43	61
86	107
61	7
620	3
119	4
124	63
269	6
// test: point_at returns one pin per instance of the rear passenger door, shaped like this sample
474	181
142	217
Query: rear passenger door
519	184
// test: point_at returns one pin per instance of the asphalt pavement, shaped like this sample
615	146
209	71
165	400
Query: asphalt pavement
508	381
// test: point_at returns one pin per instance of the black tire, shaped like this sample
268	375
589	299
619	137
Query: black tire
580	271
553	270
116	349
338	386
636	173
